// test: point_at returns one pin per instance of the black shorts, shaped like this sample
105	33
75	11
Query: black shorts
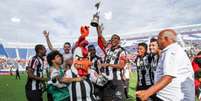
98	92
34	95
49	97
126	83
114	91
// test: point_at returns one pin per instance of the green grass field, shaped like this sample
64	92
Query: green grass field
11	89
14	90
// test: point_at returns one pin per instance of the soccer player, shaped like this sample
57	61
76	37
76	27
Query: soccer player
114	63
144	70
96	60
154	53
35	80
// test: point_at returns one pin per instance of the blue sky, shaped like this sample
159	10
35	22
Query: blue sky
24	20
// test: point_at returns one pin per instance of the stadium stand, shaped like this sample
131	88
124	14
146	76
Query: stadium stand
22	53
11	52
3	51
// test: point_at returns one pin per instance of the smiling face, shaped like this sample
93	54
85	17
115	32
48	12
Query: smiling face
67	48
153	47
115	40
141	51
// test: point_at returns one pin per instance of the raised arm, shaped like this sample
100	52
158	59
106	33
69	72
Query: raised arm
101	40
46	34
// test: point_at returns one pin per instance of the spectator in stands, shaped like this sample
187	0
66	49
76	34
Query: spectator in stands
36	79
67	55
114	63
144	70
196	63
174	74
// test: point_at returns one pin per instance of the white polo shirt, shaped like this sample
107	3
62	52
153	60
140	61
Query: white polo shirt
175	62
67	56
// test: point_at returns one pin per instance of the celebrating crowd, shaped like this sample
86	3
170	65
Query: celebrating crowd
164	71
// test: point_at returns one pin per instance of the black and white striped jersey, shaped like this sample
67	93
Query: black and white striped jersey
113	57
80	91
153	60
95	62
37	65
144	71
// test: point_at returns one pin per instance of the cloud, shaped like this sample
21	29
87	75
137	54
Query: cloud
63	18
15	20
108	15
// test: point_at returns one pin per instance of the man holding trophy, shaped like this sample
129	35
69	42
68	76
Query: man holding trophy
113	64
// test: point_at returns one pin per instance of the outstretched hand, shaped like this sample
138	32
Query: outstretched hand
46	33
143	95
78	79
103	65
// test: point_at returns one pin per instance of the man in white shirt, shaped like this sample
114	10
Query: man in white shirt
174	75
67	55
